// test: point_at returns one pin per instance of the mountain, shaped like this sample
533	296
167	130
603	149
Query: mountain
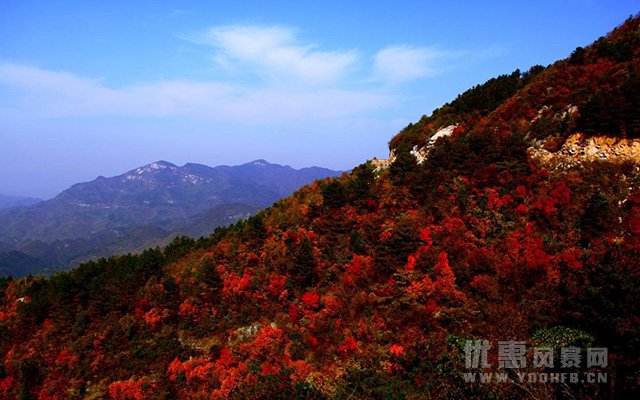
104	216
16	201
222	215
19	264
508	221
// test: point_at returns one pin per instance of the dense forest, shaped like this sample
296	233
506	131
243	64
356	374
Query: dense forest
368	286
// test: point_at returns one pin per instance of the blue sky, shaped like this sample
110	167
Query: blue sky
90	89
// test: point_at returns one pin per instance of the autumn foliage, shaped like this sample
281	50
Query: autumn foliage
364	286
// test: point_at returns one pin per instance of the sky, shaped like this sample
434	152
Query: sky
100	88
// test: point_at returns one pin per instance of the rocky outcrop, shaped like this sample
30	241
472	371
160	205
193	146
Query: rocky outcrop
420	153
580	148
382	164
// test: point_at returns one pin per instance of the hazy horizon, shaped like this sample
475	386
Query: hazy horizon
100	89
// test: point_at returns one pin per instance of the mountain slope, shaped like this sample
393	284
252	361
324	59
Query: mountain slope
90	218
16	201
594	91
371	285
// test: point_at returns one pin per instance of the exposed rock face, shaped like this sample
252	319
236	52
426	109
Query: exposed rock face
419	153
380	165
583	148
443	132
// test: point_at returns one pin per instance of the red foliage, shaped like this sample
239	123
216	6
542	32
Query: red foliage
397	350
270	369
301	370
128	390
561	193
188	310
234	285
313	342
445	282
421	288
294	312
227	358
155	316
571	258
174	369
411	262
277	284
486	286
634	221
425	236
311	300
66	359
358	271
6	385
349	345
198	369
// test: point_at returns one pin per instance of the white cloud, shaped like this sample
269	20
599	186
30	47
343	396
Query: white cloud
300	82
404	63
60	94
275	53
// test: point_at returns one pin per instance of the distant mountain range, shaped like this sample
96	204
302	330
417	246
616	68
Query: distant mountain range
16	201
143	207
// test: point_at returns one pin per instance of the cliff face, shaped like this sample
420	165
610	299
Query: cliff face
579	148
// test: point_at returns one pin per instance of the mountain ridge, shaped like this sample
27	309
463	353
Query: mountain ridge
168	197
